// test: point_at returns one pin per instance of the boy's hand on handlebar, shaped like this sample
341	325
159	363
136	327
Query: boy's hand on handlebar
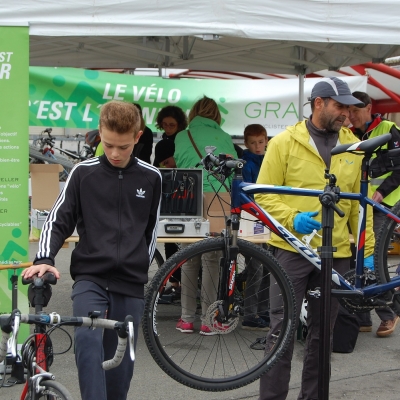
303	223
40	269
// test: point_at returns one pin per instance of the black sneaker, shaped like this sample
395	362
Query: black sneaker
255	324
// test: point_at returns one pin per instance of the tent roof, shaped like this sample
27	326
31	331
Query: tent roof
301	36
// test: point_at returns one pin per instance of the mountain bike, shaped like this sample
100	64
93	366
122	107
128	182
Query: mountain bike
42	151
228	359
81	154
37	350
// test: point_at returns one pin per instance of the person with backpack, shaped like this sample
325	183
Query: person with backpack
385	189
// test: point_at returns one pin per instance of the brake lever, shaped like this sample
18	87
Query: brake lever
131	336
12	341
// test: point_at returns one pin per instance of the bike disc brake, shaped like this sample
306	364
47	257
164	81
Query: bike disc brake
220	327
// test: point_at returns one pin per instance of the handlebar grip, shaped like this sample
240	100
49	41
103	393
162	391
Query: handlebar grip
235	164
215	160
119	355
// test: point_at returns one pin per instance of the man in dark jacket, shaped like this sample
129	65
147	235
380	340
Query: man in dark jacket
114	202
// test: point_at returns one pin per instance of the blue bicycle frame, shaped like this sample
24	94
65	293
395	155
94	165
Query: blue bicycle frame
242	201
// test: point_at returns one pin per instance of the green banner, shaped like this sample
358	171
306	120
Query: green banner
68	97
71	98
14	160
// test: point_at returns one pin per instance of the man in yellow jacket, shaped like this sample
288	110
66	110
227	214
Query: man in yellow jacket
298	157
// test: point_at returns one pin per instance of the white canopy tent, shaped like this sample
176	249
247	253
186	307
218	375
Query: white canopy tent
291	37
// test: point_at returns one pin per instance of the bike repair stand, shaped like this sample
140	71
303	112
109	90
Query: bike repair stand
328	200
17	368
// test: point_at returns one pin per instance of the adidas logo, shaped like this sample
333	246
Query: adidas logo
140	193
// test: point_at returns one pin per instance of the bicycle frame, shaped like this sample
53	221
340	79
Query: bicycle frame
241	200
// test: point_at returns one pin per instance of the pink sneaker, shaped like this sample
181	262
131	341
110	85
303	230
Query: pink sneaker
206	331
220	328
185	327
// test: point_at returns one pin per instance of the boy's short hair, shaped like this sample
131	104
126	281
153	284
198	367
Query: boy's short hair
120	117
254	130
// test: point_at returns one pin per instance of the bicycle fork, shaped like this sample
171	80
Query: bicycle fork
228	266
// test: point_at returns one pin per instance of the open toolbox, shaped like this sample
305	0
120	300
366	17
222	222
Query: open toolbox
181	211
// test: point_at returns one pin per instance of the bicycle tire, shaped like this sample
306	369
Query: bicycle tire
34	153
158	258
389	233
222	361
155	265
52	391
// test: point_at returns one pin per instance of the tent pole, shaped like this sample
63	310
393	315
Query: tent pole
301	97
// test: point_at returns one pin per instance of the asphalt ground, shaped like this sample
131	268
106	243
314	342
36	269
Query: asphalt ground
372	371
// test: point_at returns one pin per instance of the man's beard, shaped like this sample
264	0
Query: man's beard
329	123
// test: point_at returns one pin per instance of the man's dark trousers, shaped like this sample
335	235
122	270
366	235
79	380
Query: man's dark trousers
274	385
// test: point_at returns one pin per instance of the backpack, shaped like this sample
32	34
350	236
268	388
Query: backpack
345	332
387	160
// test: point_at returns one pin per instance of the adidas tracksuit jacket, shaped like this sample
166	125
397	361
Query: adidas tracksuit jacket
116	214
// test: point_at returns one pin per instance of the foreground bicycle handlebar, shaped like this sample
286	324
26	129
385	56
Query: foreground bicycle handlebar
10	323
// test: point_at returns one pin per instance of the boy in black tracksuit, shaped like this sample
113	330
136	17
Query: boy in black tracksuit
114	202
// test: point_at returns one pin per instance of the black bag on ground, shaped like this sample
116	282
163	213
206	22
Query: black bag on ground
345	332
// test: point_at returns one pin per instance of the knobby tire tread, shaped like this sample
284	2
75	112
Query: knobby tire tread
231	382
381	254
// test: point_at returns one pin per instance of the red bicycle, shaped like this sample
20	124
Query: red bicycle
37	350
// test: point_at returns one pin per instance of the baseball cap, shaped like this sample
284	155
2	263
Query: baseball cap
337	90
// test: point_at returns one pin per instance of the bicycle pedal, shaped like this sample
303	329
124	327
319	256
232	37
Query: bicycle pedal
377	302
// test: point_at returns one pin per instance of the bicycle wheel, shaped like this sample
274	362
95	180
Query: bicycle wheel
35	154
158	259
52	391
385	266
223	361
155	265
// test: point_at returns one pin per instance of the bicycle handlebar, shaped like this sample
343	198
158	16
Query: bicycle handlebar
222	164
10	323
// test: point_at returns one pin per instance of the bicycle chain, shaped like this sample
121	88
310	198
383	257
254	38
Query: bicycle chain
369	277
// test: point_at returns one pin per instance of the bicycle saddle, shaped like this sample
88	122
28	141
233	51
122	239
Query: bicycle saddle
47	277
367	146
39	290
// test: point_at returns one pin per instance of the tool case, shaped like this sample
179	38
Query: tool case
181	213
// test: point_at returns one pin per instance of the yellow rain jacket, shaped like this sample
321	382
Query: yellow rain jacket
293	160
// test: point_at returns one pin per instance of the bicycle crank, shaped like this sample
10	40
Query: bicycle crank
367	304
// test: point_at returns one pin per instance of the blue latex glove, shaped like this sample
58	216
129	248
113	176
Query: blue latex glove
303	223
369	263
